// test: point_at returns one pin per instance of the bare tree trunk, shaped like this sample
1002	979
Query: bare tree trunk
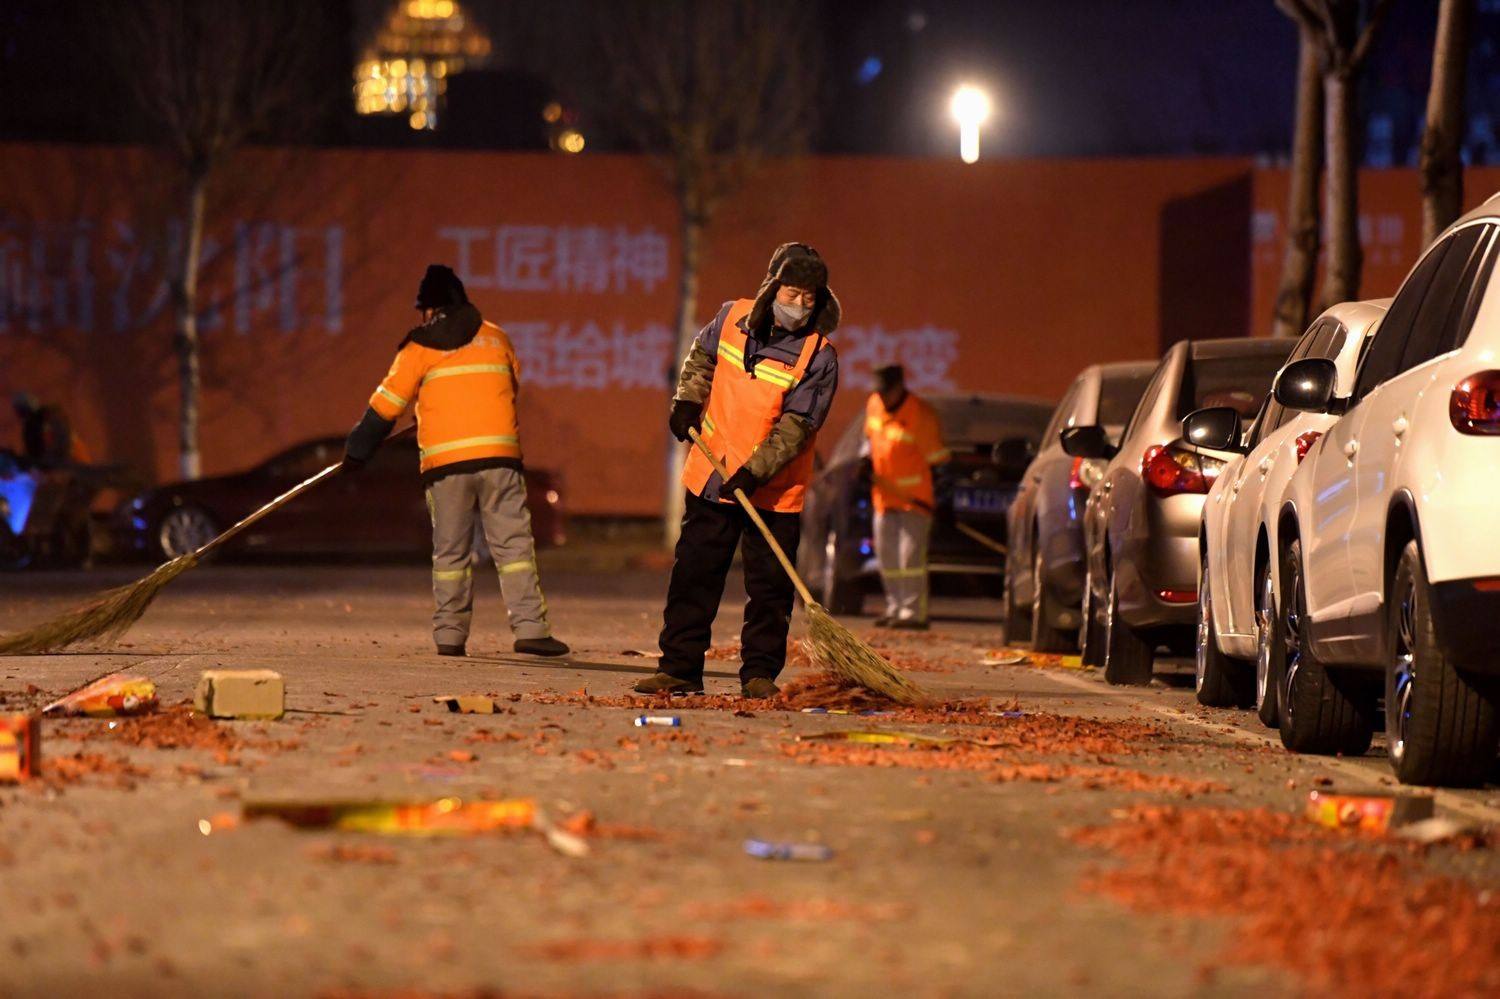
1442	167
1299	262
691	238
1345	257
185	301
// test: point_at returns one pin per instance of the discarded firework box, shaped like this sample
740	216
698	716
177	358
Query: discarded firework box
107	697
20	740
240	693
467	704
1376	813
442	817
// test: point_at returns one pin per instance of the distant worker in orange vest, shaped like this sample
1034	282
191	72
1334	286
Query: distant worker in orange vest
461	373
47	438
906	443
756	384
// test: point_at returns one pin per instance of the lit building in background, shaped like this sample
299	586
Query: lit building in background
419	46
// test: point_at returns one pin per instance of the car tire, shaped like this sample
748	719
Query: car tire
1044	636
1321	712
1017	621
1222	681
1128	658
183	529
1090	634
1442	725
841	594
1270	653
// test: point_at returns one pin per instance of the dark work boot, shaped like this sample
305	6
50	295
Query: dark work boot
451	650
665	683
548	646
908	624
759	688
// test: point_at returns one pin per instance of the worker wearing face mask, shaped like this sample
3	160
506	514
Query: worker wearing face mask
756	385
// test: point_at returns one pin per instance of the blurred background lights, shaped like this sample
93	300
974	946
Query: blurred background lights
970	107
419	45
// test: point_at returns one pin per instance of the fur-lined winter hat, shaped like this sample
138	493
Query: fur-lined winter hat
800	266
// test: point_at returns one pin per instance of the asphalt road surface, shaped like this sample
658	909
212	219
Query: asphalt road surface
956	869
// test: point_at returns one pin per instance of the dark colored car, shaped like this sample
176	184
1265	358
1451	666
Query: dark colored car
380	511
837	554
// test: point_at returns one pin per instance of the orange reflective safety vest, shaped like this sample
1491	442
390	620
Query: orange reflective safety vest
465	398
904	446
742	408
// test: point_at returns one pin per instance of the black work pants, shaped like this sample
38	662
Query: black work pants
705	551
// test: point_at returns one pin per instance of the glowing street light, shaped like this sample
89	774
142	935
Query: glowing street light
970	107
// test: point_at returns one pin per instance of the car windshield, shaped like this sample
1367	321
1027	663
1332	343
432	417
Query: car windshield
978	422
1237	382
1118	396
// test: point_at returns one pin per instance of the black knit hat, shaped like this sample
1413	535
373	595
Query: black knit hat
440	288
889	376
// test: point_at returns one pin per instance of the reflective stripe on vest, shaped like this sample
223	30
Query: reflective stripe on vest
466	369
458	445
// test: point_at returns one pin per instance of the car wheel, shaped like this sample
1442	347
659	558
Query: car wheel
1090	635
1270	653
1044	636
1017	621
1442	726
1128	658
184	529
841	594
1222	681
1320	711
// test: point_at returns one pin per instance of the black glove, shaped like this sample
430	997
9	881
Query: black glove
686	415
364	439
351	464
742	480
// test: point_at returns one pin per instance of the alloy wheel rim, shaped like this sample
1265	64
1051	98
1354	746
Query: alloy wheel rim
1292	639
184	530
1205	614
1263	639
1405	669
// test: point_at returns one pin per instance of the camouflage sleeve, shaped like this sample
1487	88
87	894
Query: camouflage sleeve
787	439
697	374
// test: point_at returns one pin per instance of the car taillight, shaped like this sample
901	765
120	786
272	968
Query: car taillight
1170	470
1178	596
1474	406
1304	443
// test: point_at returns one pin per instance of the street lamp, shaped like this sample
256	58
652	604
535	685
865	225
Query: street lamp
970	107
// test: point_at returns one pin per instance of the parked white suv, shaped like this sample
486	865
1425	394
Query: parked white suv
1389	545
1237	588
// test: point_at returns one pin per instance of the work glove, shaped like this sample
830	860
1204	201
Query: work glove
686	415
351	464
742	480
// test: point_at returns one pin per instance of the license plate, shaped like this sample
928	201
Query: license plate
991	501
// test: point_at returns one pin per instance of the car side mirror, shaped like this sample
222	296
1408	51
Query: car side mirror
1013	454
1216	428
1087	442
1308	386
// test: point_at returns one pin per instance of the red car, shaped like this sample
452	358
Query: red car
378	511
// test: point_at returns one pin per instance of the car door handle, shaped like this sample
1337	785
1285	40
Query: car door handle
1399	425
1265	466
1351	449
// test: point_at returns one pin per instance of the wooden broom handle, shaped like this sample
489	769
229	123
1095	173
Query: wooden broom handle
739	494
973	532
281	501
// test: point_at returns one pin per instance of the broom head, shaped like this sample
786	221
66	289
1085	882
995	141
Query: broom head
836	649
105	618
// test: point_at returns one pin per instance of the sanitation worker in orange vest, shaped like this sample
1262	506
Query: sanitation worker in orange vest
461	374
756	384
905	443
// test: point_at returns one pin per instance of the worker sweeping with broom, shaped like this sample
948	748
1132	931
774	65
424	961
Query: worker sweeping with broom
465	372
756	385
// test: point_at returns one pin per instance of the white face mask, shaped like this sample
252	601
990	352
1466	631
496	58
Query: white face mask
790	317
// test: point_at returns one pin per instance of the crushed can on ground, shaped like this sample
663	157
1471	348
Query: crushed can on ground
1376	813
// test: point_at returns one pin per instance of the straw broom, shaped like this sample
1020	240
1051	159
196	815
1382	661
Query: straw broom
833	646
110	615
972	532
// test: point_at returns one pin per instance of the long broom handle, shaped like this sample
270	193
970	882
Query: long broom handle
739	494
279	502
973	532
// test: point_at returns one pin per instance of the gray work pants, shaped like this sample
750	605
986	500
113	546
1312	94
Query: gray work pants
496	499
901	548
